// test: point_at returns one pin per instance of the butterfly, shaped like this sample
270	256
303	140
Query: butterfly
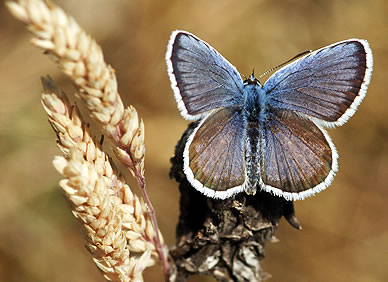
269	137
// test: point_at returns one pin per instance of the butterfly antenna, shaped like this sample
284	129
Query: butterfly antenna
285	63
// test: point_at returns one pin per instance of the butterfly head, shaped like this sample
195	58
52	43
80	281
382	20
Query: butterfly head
252	79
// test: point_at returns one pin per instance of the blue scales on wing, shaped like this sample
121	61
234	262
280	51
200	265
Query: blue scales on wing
327	84
204	79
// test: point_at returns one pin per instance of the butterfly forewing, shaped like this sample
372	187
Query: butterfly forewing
214	154
327	84
202	79
298	158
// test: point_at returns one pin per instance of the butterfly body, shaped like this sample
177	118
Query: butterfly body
269	137
254	113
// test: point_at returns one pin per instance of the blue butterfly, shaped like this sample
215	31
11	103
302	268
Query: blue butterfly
268	137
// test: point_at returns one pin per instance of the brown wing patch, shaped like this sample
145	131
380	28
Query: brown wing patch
216	152
296	154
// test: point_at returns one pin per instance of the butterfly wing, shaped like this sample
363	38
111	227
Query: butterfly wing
214	154
201	78
327	84
298	157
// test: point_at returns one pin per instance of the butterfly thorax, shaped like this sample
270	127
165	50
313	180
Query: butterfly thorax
253	101
254	107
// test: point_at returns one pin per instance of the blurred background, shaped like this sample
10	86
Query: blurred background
345	228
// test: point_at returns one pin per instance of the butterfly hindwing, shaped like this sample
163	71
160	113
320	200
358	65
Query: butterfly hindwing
328	84
201	78
298	158
214	154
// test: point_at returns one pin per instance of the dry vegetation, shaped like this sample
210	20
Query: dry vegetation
120	229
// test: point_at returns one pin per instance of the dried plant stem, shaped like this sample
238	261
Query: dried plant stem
82	60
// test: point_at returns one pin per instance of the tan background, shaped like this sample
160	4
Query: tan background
345	236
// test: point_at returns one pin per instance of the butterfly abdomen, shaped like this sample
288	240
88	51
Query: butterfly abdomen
252	158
